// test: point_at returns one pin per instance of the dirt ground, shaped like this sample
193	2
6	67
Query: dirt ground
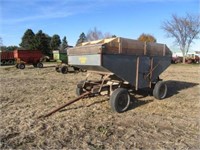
172	123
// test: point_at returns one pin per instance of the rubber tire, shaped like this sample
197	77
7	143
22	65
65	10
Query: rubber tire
64	69
3	62
40	65
21	66
10	62
79	90
160	90
116	99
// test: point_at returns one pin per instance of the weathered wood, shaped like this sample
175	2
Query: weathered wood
121	46
87	49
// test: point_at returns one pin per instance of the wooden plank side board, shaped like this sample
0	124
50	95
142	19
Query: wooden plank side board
136	47
122	46
110	50
167	51
133	45
101	41
87	49
155	49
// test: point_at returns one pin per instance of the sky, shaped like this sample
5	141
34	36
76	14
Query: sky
123	18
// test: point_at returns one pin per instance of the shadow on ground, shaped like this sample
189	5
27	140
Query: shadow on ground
174	87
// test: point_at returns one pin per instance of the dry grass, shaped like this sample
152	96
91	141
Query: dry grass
172	123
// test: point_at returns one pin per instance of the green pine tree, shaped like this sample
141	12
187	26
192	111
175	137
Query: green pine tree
55	42
43	42
64	43
82	38
28	40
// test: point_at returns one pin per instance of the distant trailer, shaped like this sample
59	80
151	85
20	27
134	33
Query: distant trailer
62	60
23	57
7	58
60	56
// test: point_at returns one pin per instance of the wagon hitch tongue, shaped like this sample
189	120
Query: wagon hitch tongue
65	105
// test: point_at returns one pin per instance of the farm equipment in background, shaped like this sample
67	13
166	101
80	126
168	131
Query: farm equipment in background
192	58
62	62
7	58
24	57
189	58
124	66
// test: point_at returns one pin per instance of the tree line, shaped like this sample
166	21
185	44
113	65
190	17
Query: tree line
42	41
39	41
45	43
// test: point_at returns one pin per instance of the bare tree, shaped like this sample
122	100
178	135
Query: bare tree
184	30
96	34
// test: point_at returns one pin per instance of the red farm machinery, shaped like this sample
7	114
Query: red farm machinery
24	57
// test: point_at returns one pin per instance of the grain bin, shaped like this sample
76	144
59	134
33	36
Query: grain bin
124	65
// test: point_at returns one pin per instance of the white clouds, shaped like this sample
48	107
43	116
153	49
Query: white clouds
26	11
36	17
19	11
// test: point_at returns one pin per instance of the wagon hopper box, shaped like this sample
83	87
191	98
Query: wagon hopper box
7	58
33	57
124	65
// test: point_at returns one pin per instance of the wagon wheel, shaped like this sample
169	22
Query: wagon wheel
40	65
79	88
160	90
21	66
10	62
3	62
120	100
64	69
